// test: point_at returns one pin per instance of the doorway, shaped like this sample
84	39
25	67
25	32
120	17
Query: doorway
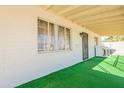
95	45
85	50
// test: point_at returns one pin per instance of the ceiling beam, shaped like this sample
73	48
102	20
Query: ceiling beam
85	12
120	22
104	20
109	33
104	10
71	7
78	10
101	15
47	7
105	30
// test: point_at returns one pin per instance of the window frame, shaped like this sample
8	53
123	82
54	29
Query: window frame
55	37
65	38
39	49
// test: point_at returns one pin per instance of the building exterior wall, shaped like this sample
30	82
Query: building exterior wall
20	61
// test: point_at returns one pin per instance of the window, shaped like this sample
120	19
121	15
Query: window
51	39
46	36
52	36
64	38
42	35
68	43
61	38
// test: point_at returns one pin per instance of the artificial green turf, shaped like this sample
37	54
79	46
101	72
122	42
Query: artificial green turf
97	72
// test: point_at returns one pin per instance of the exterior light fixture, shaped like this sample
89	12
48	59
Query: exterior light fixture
81	34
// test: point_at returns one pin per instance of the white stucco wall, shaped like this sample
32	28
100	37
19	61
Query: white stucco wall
19	59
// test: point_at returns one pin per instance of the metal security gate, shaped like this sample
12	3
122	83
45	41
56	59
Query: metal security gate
85	51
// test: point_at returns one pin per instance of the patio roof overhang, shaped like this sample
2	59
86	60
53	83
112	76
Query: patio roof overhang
104	20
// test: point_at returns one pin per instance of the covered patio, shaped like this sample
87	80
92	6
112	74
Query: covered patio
95	72
59	46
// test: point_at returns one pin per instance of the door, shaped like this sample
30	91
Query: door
95	45
85	51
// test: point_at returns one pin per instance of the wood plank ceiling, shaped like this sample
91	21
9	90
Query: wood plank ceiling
101	19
